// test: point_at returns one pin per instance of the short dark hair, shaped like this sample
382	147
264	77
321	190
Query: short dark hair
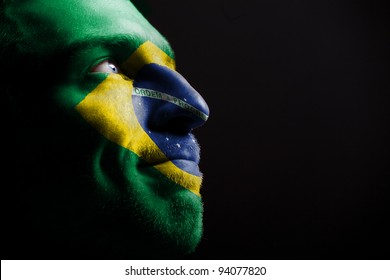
10	38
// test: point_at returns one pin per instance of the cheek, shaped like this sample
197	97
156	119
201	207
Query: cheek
109	109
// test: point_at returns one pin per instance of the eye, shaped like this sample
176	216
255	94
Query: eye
106	66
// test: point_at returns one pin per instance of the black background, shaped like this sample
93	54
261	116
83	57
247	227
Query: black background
295	154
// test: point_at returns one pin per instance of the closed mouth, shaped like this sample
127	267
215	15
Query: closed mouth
177	162
187	165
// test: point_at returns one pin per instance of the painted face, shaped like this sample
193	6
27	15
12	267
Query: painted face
120	117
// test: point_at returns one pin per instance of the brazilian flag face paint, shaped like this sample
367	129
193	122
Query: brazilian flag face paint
151	116
121	81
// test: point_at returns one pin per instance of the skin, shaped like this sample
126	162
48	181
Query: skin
111	173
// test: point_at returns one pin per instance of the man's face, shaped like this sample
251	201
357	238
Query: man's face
118	121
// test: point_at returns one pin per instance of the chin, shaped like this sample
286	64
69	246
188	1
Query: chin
184	228
150	215
171	216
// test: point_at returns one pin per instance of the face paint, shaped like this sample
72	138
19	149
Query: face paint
143	151
136	118
144	92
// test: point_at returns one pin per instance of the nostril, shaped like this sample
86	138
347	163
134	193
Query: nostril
176	125
176	119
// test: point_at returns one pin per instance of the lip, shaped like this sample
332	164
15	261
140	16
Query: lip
183	171
172	151
182	164
187	165
165	160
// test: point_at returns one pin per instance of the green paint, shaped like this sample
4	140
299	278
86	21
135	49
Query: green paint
162	206
78	22
98	194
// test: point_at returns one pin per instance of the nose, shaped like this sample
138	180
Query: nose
169	102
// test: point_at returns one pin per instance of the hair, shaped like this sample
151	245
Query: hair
10	38
12	82
16	62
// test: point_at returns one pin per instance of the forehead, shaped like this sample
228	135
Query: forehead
69	21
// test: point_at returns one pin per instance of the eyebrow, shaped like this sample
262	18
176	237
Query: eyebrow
94	41
131	42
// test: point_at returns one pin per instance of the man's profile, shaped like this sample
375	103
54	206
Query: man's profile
101	159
